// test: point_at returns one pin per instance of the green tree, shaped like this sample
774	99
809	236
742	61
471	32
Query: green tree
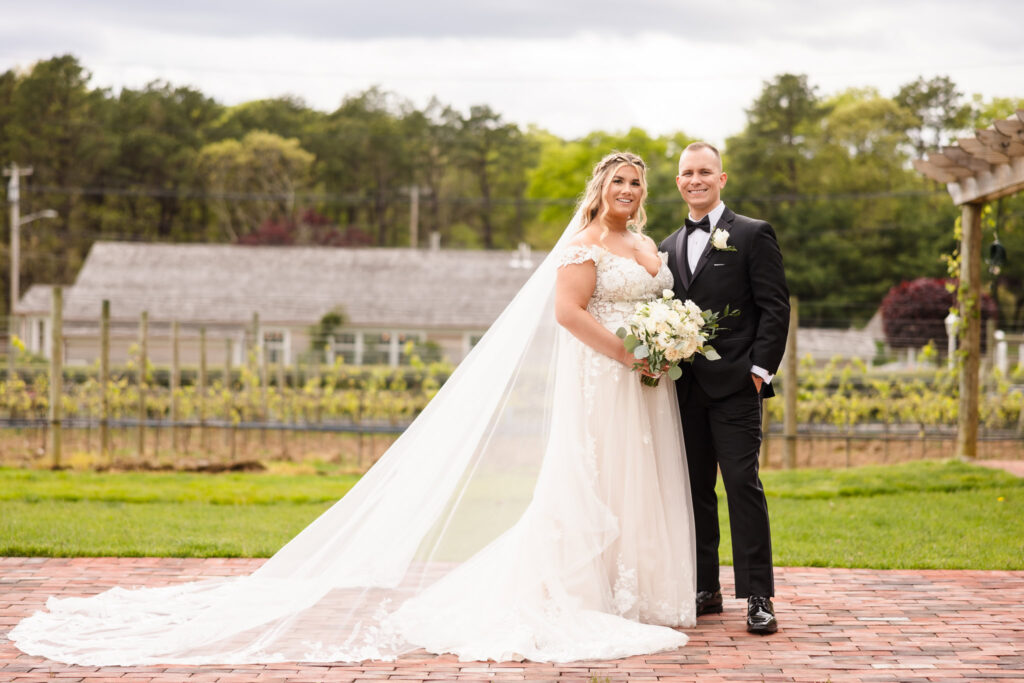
774	175
564	167
360	158
288	117
53	122
263	170
938	111
160	130
496	156
429	136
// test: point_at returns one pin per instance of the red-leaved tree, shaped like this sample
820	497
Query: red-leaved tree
914	312
311	229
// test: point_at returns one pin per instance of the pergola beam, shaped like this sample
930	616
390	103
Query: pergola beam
976	171
1002	181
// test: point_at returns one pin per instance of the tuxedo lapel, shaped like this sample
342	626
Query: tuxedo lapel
676	247
682	259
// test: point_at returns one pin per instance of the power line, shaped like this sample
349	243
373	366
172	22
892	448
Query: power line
398	198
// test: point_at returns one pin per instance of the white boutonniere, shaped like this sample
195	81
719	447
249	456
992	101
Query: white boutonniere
720	240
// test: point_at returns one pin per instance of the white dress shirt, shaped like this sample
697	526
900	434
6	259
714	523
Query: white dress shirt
696	242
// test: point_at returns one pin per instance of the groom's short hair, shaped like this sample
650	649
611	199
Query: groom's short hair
699	145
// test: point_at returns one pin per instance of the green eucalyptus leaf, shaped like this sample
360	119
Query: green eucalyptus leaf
641	351
675	372
710	353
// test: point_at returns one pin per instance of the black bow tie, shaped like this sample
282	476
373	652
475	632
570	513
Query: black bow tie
703	224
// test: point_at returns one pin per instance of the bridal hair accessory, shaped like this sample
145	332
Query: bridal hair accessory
665	332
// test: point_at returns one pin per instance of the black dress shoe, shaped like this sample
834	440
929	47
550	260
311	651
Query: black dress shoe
709	602
761	616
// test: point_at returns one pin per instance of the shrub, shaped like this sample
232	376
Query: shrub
914	312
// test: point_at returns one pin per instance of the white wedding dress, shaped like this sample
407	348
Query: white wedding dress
542	514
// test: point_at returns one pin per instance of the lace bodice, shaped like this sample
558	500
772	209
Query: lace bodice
621	282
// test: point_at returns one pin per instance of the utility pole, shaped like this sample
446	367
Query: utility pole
17	220
415	193
14	199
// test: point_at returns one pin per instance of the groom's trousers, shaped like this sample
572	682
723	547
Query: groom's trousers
726	433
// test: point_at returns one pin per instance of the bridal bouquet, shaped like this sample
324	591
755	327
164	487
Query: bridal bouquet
666	332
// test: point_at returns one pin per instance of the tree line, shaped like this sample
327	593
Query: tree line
831	172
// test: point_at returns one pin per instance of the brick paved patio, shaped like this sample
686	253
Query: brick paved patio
836	625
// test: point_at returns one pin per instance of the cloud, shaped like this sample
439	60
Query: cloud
571	66
824	25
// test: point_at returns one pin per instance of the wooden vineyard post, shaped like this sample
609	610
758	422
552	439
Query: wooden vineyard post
201	390
143	364
105	382
790	366
229	432
56	375
174	381
281	417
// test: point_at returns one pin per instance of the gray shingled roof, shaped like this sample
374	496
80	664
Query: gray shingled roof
36	300
227	283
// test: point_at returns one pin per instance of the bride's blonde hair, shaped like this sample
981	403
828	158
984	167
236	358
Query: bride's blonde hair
592	206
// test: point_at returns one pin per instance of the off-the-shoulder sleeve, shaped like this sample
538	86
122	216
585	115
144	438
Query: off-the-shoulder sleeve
576	253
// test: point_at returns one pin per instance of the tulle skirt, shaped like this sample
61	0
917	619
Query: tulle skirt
563	534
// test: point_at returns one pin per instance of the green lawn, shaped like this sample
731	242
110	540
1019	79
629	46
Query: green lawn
918	515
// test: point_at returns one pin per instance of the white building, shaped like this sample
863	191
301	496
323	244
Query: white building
387	296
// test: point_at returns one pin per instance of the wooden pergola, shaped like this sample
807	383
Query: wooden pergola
976	171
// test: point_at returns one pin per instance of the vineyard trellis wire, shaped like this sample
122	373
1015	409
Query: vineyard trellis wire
842	408
181	414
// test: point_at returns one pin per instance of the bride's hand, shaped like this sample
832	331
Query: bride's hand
644	368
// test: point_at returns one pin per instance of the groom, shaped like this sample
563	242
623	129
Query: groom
720	258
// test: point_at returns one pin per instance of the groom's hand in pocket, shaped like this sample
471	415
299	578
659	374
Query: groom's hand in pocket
758	382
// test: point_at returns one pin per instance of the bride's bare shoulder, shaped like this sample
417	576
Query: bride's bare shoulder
588	236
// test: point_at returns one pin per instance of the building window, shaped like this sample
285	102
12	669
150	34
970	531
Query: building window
275	346
469	340
348	346
376	348
404	349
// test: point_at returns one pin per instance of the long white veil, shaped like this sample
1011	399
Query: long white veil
459	477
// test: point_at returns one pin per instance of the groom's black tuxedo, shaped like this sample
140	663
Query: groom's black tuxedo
718	402
751	280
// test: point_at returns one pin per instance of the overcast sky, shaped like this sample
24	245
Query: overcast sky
570	66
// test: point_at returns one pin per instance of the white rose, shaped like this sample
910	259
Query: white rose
667	294
720	240
690	347
688	329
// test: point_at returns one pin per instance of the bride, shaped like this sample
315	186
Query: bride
537	509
